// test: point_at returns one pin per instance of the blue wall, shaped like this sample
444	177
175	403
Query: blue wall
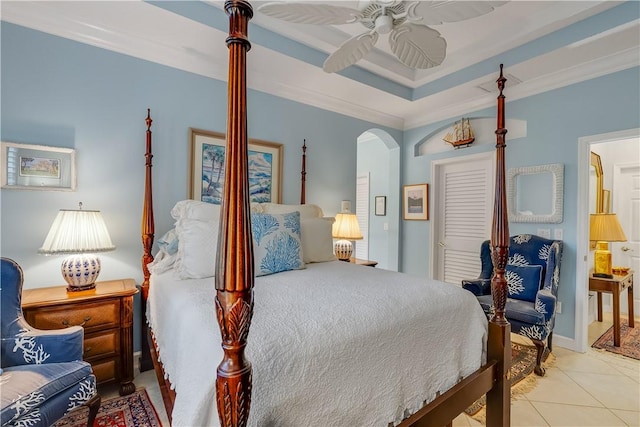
555	121
62	93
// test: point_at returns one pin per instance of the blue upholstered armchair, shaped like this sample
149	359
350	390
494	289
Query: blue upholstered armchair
42	375
532	273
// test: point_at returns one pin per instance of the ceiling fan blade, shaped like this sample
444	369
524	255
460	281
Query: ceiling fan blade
438	12
350	52
306	13
418	46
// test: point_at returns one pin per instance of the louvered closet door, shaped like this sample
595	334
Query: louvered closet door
362	213
464	205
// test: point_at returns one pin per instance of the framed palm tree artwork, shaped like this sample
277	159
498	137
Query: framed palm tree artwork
207	167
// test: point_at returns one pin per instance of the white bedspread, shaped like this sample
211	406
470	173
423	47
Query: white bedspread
335	344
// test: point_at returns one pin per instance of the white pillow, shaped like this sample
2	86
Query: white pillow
197	247
202	211
306	211
195	209
317	243
276	243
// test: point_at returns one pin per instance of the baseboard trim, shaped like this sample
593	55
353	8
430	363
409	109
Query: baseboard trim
565	342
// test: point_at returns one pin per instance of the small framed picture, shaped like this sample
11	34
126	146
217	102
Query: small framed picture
381	205
38	167
415	200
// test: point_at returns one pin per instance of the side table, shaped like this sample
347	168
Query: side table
614	286
107	317
366	262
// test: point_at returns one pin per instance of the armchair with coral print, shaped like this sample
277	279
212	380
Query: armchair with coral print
533	275
42	374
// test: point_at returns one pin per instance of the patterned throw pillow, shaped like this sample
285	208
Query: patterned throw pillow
523	281
276	242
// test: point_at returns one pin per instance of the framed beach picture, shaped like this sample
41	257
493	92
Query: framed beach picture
38	167
415	200
206	168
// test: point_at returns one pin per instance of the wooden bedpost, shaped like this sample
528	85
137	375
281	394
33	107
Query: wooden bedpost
303	177
234	277
148	231
499	345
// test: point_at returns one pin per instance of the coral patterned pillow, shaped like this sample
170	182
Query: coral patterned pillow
523	281
276	242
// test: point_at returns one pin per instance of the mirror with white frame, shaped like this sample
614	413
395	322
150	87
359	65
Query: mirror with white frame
535	193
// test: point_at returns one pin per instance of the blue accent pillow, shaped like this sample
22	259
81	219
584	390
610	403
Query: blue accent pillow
276	242
523	281
169	242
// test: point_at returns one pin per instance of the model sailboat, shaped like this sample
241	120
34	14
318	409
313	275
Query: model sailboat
462	134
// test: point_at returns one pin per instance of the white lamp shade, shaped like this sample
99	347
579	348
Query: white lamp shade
346	227
77	231
79	234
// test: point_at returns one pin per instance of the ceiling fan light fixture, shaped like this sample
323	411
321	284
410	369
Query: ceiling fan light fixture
384	24
414	43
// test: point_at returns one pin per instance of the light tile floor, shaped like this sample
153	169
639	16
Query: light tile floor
596	388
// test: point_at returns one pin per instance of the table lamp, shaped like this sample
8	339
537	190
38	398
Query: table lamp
80	234
604	228
345	228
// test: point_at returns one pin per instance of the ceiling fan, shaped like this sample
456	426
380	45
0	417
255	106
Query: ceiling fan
414	43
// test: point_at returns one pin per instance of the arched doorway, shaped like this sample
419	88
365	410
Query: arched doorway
378	158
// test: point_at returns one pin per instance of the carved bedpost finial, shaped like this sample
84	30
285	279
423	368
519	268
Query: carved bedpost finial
501	81
303	179
148	119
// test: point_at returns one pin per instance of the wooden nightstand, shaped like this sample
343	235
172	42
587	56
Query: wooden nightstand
107	318
366	262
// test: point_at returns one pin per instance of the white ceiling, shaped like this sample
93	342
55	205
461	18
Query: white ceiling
153	33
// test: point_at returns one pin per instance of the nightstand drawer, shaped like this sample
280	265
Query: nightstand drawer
106	370
92	316
101	344
105	313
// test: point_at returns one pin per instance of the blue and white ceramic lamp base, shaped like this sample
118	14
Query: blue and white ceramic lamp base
80	271
343	250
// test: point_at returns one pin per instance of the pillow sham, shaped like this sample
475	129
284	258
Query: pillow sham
317	242
523	281
306	211
201	211
195	209
276	243
197	247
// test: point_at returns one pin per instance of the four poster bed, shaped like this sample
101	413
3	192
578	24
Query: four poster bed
331	343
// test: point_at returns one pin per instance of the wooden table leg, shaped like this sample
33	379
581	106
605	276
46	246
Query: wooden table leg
630	302
599	306
616	315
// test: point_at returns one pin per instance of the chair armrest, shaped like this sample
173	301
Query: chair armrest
546	303
35	346
477	287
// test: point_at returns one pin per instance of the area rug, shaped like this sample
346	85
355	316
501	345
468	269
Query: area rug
629	341
133	410
523	380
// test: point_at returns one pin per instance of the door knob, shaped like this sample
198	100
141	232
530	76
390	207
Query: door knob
442	244
625	249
